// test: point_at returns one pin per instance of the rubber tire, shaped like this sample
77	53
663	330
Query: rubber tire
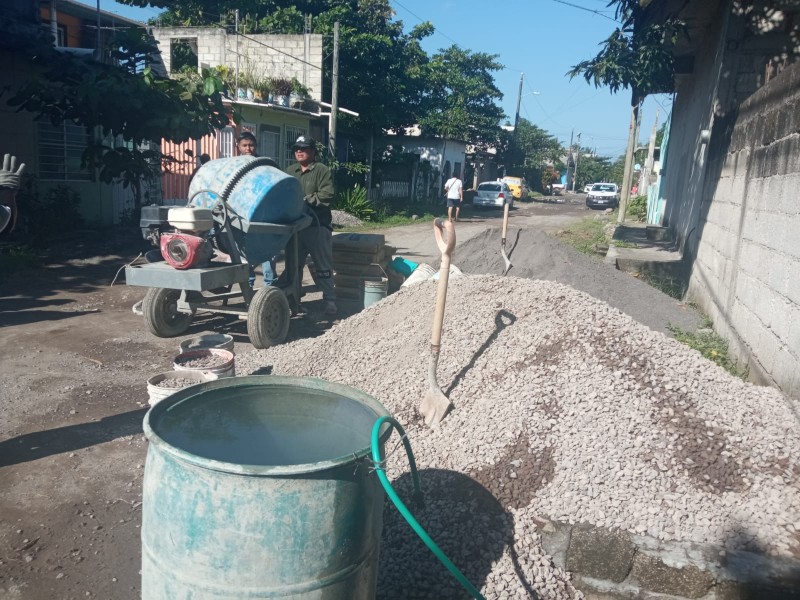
161	315
268	318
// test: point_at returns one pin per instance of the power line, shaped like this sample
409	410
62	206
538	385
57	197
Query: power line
421	20
591	10
247	37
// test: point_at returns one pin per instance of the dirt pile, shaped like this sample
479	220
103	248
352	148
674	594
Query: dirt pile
564	408
536	255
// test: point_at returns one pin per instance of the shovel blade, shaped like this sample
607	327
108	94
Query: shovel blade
434	407
505	259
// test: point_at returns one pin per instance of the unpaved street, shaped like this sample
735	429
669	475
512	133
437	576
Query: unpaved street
72	387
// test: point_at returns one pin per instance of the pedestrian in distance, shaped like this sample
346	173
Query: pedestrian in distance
246	146
454	190
316	240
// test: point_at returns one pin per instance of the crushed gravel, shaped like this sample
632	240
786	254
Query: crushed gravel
343	219
565	408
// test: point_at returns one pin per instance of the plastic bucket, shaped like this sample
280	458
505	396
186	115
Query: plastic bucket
200	361
375	291
207	340
156	393
261	487
423	272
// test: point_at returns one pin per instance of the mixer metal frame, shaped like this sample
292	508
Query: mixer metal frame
209	288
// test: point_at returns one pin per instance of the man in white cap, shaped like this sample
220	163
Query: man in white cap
316	240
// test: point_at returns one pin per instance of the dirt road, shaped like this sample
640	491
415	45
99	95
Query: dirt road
72	387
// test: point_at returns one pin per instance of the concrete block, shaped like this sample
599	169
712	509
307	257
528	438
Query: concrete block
600	553
654	575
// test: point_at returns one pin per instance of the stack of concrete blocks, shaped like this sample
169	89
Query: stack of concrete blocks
359	257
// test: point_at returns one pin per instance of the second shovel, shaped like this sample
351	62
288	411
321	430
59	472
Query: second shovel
503	242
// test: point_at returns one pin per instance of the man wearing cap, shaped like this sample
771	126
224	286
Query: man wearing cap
317	240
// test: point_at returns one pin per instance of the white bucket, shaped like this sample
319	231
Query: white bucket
225	358
423	272
157	393
207	340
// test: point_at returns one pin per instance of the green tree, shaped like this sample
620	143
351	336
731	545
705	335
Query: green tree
460	101
638	55
125	101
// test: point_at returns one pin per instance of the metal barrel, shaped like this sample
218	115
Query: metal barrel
261	487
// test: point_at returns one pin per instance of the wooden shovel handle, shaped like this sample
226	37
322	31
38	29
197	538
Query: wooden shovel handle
446	246
505	221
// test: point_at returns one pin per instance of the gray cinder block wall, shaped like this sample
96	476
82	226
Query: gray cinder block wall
266	55
733	203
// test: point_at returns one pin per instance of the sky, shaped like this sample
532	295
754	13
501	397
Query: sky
540	39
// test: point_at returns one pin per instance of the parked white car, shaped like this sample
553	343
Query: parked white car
603	195
493	194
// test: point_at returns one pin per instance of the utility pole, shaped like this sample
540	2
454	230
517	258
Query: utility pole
633	133
577	160
334	92
644	180
98	31
516	121
569	156
236	78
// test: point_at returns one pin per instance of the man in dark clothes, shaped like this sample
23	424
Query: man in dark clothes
316	240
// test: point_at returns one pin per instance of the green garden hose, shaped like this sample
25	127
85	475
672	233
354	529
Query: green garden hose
380	469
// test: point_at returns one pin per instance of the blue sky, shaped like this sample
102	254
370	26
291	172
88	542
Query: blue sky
542	39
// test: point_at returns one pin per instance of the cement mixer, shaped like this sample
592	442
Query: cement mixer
241	211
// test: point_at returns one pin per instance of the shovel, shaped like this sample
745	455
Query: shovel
503	242
435	405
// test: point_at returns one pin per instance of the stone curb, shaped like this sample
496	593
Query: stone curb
611	564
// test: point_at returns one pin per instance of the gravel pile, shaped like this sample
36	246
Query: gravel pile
566	409
343	219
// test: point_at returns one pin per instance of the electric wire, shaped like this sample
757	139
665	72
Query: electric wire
597	12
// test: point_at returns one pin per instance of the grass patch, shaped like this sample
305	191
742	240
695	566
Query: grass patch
533	194
17	258
710	345
671	286
585	236
624	244
384	216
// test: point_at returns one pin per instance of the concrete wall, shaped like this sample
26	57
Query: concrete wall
264	55
732	202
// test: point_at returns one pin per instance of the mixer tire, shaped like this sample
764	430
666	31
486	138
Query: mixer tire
268	318
160	311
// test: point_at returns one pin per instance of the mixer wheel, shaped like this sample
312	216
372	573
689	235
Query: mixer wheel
160	309
268	318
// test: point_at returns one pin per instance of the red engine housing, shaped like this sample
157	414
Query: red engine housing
184	251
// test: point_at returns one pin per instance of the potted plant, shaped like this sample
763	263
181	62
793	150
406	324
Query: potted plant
298	94
282	88
266	89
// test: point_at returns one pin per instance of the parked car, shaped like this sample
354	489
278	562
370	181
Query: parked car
518	186
493	194
587	188
604	195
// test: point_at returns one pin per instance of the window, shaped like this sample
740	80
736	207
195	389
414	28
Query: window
269	142
182	54
226	143
489	187
59	152
292	133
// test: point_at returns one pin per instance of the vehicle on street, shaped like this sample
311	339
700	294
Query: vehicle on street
493	194
603	195
557	188
587	188
519	187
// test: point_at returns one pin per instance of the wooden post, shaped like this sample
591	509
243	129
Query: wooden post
625	193
334	92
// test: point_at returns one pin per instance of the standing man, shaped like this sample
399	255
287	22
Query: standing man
246	146
455	196
317	240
